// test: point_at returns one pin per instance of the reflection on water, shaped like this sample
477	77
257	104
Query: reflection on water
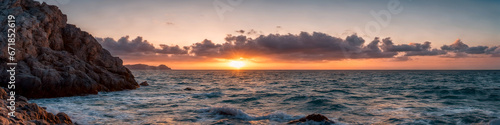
276	97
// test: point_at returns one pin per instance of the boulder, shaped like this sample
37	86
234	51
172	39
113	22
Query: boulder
56	59
145	83
64	118
313	117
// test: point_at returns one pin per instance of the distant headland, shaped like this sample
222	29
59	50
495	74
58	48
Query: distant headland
147	67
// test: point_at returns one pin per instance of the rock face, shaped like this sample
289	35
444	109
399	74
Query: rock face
55	59
313	117
146	67
28	113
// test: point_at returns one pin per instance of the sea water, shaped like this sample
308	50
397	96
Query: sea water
276	97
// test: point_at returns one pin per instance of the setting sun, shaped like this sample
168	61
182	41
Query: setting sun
237	64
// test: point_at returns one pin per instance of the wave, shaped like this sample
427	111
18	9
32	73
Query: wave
208	95
224	112
234	113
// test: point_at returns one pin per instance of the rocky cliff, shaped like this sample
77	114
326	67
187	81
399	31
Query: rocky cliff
55	59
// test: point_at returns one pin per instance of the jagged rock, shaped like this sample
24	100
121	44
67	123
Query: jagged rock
55	59
145	83
313	117
28	113
147	67
64	118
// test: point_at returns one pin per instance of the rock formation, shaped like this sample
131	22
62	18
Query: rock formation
28	113
146	67
313	117
188	89
55	59
145	83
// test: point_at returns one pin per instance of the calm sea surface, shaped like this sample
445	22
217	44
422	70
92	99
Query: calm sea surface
276	97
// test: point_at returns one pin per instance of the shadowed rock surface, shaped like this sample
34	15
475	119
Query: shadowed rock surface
55	59
313	117
28	113
145	83
188	89
147	67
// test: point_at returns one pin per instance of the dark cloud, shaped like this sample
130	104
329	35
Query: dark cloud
315	46
401	58
432	52
252	32
463	50
494	51
124	46
457	46
205	48
412	49
165	49
388	45
476	50
240	31
304	46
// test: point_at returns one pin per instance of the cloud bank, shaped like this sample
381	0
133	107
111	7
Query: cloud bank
125	46
315	46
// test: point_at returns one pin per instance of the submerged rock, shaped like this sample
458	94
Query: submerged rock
28	113
145	83
188	89
313	117
55	59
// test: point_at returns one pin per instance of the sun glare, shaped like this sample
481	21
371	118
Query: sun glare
237	64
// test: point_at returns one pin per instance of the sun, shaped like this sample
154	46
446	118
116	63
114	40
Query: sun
237	64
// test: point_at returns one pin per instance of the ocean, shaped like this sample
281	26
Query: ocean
276	97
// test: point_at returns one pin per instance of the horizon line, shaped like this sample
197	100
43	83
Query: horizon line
332	70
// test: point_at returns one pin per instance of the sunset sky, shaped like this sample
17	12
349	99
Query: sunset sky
294	34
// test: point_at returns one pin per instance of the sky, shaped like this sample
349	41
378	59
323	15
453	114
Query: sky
294	34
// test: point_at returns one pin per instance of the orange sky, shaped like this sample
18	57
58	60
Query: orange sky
417	63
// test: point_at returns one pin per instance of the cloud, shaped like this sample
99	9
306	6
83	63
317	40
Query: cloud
124	46
457	46
205	48
456	55
462	50
165	49
315	46
240	31
388	45
411	49
401	58
252	32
